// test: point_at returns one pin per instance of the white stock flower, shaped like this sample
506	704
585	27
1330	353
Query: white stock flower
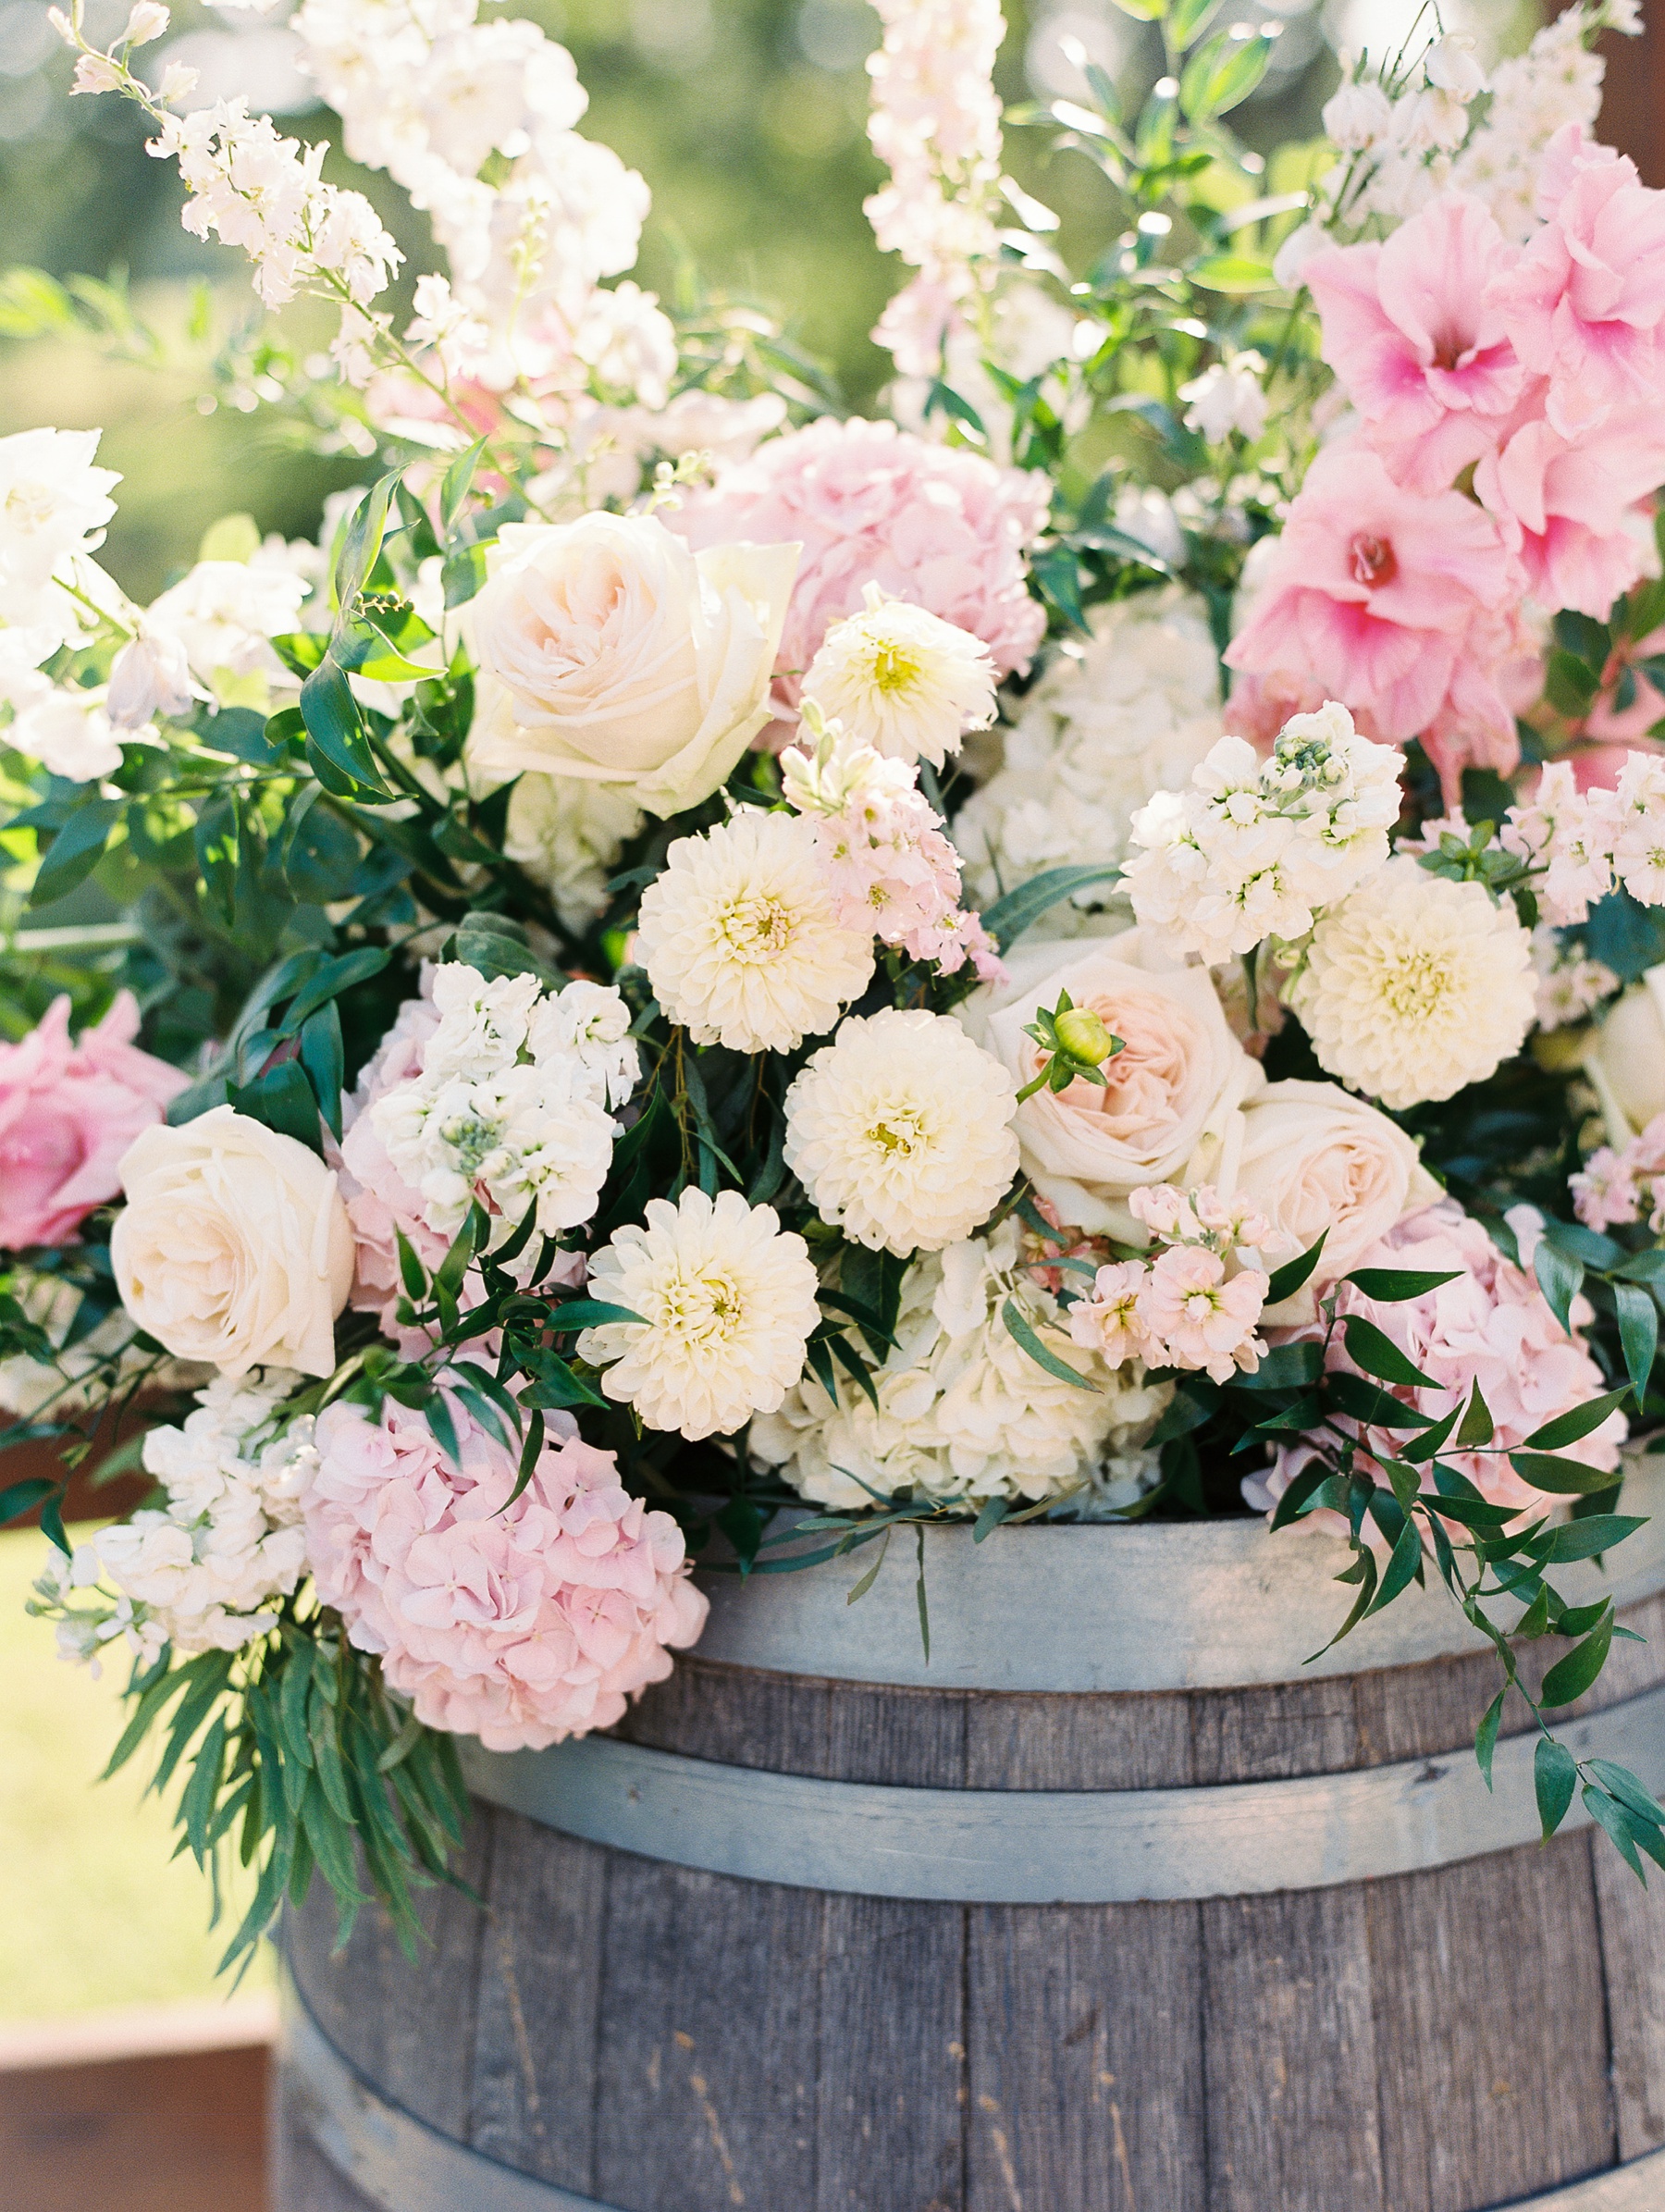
146	21
1227	396
1357	117
626	658
567	833
1111	722
54	503
628	343
234	1246
964	1410
151	675
740	939
1570	985
68	733
900	1131
1534	94
222	615
727	1301
1416	986
904	680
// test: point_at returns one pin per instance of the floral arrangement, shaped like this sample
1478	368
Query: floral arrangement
718	980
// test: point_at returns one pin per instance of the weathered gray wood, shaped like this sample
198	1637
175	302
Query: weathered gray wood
300	2178
706	2082
1070	2104
1632	1952
1275	1732
539	2002
408	2028
888	2116
1491	2042
1290	2057
1089	1742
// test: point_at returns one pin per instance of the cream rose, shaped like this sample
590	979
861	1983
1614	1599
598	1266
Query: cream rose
1316	1159
1170	1106
618	655
234	1246
1625	1059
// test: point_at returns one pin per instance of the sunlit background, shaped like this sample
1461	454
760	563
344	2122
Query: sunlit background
746	119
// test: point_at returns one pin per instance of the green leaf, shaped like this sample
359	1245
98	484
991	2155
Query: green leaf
589	1312
1588	1538
1022	1335
1610	1814
1188	19
1286	1280
1379	1355
1232	273
323	1058
1559	1478
1485	1736
1009	916
1618	1782
459	482
334	977
76	851
1476	1429
1394	1286
364	541
1402	1564
1571	683
1143	11
1555	1777
1560	1277
1638	1333
1372	1404
1223	72
336	727
1284	1368
1566	1429
1570	1677
989	1518
283	1100
867	1581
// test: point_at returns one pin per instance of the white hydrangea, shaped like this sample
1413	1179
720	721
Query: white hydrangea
567	833
202	1570
511	1102
901	679
727	1300
964	1413
1252	848
1128	713
900	1130
1416	986
740	938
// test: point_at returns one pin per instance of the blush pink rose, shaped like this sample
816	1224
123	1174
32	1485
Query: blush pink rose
1417	341
67	1113
871	503
519	1624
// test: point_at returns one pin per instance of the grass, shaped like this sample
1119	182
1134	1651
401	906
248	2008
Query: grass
97	1912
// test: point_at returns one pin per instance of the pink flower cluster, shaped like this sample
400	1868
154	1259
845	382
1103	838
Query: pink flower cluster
519	1624
1587	842
871	503
893	871
67	1114
1489	1325
1195	1305
1541	369
1626	1185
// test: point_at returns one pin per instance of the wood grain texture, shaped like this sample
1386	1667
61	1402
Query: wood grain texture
1291	2059
1085	2062
300	2178
1490	2035
1632	1952
539	2013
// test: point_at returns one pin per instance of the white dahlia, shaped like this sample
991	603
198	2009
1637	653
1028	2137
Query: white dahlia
1415	985
740	938
964	1410
900	1131
727	1301
909	683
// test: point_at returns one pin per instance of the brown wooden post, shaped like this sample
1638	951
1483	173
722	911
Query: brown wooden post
1633	106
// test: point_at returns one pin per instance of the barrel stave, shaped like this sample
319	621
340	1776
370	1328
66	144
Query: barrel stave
1632	1953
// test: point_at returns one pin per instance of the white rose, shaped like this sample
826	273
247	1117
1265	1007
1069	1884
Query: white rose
1169	1108
624	658
1625	1059
234	1246
1316	1159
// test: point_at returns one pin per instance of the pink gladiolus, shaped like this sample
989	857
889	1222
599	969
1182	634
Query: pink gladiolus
1411	333
1561	503
1584	303
67	1113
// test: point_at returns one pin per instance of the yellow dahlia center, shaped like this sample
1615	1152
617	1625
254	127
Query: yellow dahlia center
758	928
902	1132
705	1308
894	668
1417	985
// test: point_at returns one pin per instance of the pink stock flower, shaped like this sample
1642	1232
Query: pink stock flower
518	1623
1110	1320
1392	603
1561	503
1583	304
1619	1187
871	503
1196	1317
1410	331
67	1113
1488	1325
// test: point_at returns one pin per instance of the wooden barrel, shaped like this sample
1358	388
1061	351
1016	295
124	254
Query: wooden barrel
1115	1906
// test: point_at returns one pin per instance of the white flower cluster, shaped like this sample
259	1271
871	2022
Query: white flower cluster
1128	712
935	125
511	1106
434	97
1252	848
1587	843
1556	82
1398	147
1569	984
567	833
965	1411
1228	399
200	1572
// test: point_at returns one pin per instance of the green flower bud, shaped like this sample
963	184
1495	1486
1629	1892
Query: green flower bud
1084	1037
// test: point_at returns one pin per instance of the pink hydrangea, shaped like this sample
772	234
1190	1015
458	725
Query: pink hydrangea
1621	1186
518	1623
871	503
1489	1325
67	1113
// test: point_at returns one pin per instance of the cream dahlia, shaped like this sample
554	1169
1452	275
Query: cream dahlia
741	940
909	682
727	1301
1416	986
900	1131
